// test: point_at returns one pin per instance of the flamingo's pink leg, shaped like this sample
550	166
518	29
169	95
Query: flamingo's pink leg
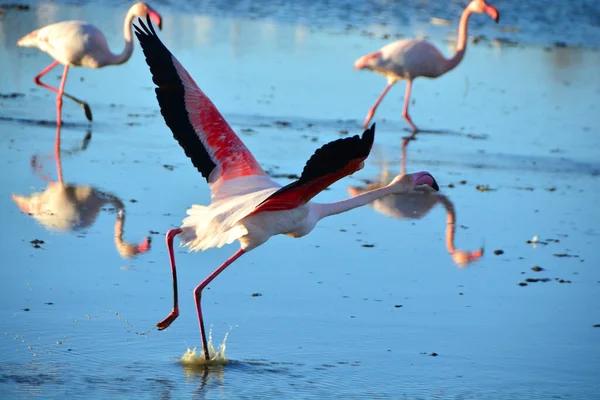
164	324
86	108
57	151
198	295
372	109
61	90
406	103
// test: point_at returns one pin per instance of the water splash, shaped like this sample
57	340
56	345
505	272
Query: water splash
193	358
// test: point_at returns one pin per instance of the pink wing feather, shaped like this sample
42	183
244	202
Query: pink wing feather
207	139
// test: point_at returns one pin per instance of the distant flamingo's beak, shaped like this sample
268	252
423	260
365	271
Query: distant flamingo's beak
353	191
22	203
144	246
425	178
363	62
492	12
463	258
156	18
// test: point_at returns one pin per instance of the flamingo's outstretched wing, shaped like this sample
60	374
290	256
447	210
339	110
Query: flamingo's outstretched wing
208	140
329	164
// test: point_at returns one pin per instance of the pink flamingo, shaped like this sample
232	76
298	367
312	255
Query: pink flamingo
410	59
79	44
246	205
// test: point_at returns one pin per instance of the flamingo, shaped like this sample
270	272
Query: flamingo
410	59
70	207
246	205
80	44
415	205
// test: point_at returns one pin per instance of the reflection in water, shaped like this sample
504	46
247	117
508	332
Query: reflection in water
69	207
416	205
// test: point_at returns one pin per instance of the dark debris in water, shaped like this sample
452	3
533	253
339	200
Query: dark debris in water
368	245
256	294
25	309
533	280
564	255
246	130
484	188
544	280
37	243
286	176
498	252
151	232
283	123
14	6
398	306
169	167
537	268
596	326
10	95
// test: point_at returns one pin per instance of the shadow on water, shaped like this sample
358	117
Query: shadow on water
68	207
416	205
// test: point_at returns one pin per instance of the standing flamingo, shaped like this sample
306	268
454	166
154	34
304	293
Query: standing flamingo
79	44
410	59
68	207
246	205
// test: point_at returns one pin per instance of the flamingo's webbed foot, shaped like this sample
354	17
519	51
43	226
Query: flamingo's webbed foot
165	323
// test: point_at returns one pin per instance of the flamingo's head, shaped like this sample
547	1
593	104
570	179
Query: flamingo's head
408	182
367	62
463	258
481	7
142	10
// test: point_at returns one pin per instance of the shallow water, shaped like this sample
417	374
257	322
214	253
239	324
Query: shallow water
355	309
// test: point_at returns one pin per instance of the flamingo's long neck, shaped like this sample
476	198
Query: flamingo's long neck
461	42
362	199
128	50
450	223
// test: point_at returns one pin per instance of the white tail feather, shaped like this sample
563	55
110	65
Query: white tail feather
217	224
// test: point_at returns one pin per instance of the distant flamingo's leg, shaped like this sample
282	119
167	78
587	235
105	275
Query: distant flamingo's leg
198	296
406	103
57	154
371	112
61	90
164	324
86	108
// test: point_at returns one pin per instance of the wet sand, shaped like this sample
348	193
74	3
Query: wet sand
357	308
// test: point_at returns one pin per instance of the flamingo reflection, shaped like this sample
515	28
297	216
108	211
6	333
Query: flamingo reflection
67	207
415	205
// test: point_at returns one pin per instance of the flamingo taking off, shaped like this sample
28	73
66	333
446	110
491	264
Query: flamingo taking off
246	205
410	59
80	44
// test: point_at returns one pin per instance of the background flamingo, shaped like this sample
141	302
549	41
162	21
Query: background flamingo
410	59
70	207
80	44
415	205
246	205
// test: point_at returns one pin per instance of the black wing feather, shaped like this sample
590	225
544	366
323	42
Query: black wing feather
171	97
335	155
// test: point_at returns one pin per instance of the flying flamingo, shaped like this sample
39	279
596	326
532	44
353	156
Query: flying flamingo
246	205
80	44
410	59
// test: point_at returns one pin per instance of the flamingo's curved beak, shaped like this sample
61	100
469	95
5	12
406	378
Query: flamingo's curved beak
492	12
156	18
425	178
